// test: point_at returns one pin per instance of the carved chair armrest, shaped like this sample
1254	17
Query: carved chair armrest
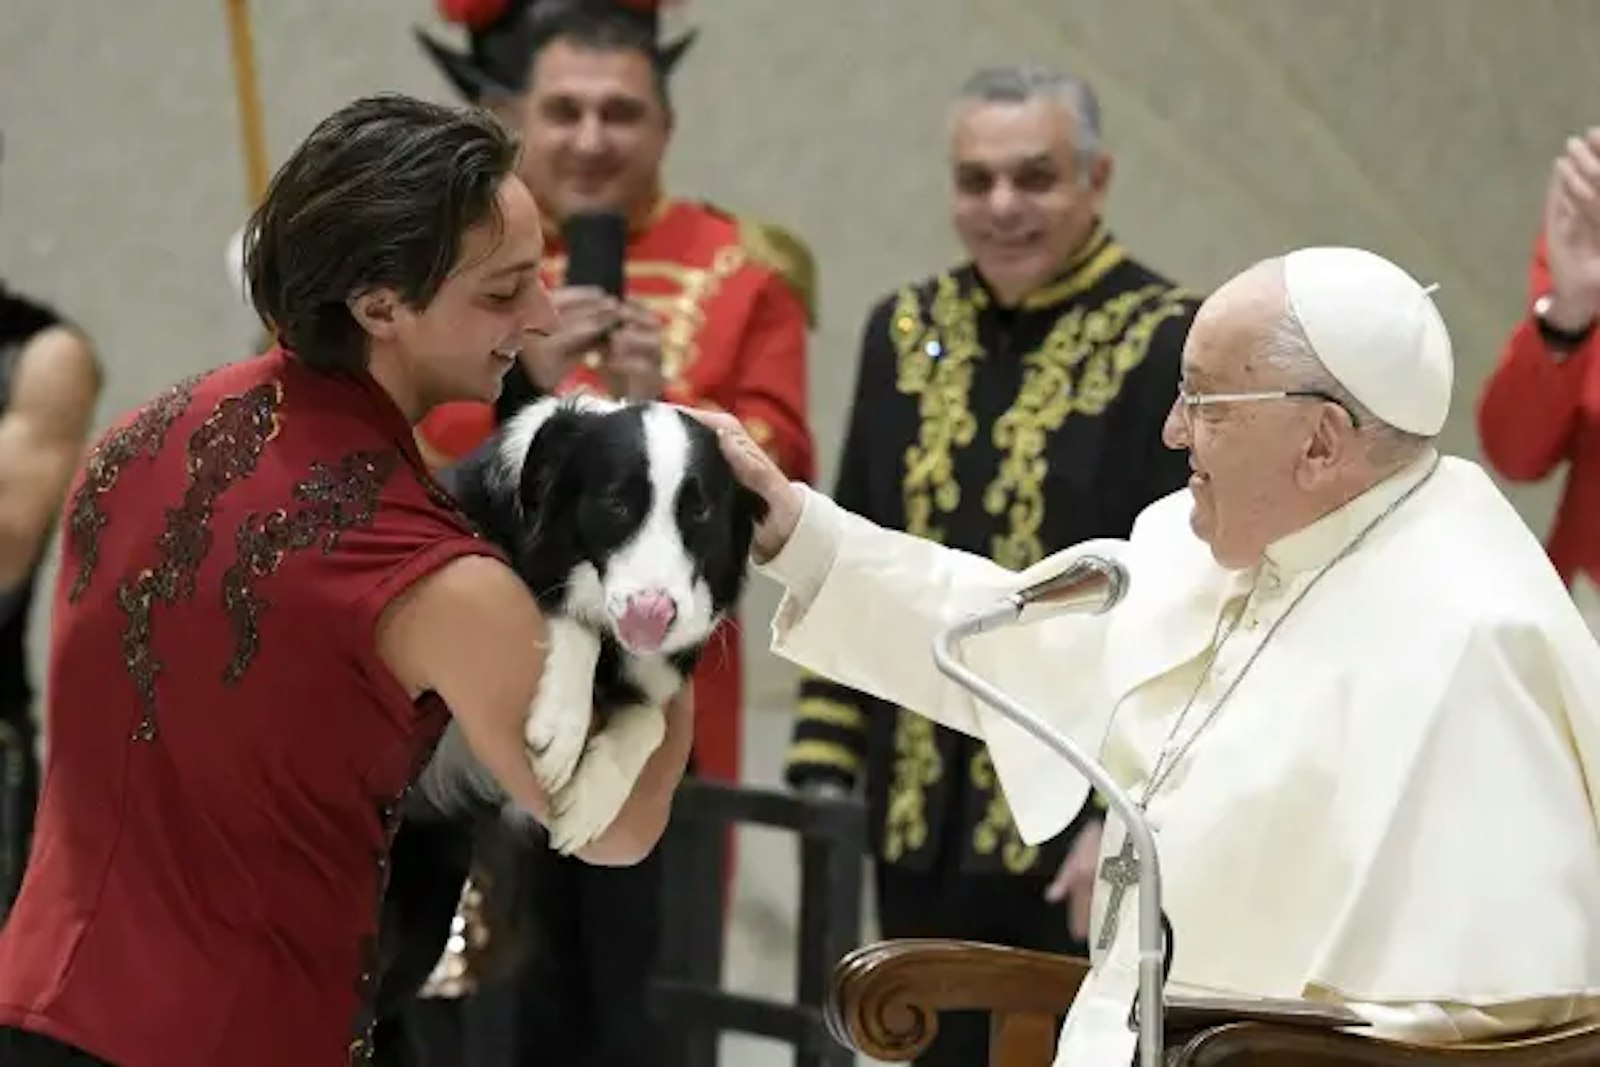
886	997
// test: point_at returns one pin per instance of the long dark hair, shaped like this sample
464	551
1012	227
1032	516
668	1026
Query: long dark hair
379	195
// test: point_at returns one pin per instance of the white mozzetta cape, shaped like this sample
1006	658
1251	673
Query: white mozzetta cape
1397	803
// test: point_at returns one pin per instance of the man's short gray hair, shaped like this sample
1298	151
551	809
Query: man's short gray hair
1289	350
1019	83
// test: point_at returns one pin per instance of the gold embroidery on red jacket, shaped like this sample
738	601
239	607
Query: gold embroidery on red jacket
222	450
688	290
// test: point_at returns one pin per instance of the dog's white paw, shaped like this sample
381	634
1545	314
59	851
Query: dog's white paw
611	764
556	742
592	800
557	726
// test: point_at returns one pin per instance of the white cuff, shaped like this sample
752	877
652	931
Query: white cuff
802	565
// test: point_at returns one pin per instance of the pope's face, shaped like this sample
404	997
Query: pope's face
1247	457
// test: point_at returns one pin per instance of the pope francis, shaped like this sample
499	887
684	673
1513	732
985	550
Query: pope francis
1346	687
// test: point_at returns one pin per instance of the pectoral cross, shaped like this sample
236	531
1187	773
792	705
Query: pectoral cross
1121	873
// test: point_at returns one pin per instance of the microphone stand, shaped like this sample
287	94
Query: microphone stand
1090	585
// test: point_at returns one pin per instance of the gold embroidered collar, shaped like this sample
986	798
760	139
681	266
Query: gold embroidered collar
1083	269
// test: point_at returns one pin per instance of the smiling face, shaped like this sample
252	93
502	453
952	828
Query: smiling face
1262	469
596	130
1021	204
461	343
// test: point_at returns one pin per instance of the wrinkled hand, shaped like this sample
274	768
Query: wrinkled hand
758	473
1074	882
585	317
631	365
1572	232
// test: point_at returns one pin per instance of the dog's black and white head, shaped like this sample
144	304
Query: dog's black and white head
625	517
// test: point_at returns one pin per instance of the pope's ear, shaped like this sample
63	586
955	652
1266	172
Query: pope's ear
376	311
1334	439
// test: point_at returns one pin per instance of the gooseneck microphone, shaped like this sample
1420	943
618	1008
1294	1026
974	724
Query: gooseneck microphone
1086	585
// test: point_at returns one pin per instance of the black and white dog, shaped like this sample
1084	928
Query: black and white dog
628	525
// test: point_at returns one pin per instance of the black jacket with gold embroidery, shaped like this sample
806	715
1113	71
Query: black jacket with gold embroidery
1008	432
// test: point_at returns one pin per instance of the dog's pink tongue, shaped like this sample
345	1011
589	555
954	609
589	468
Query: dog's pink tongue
645	621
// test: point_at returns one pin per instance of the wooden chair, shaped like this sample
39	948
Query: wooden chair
886	999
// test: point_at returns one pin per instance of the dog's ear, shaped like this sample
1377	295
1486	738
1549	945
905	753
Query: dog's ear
748	510
473	482
753	505
547	455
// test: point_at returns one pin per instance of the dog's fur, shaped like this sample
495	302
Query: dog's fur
597	504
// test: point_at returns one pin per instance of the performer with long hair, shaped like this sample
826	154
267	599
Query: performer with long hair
267	616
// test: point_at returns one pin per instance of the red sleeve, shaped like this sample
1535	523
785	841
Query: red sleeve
1529	409
399	576
410	539
769	394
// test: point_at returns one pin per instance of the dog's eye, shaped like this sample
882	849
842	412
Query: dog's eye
615	506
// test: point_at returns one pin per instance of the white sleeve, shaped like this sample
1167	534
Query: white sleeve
1430	1023
863	605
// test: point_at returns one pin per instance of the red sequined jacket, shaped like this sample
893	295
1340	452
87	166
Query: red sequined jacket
227	752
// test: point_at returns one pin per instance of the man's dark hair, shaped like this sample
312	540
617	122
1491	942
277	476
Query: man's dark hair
380	195
600	28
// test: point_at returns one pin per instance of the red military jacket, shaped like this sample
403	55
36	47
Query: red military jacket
1541	409
735	299
226	751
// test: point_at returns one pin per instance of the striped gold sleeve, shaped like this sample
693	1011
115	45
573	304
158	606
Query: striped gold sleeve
829	742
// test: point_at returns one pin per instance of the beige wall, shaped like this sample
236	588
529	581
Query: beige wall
1419	128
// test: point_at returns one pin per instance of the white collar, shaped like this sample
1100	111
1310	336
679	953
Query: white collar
1314	546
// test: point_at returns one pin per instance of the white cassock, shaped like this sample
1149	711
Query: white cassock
1395	807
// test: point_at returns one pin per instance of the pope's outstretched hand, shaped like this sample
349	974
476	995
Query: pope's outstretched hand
757	471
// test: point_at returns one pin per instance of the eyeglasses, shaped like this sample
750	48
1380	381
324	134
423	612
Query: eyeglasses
1192	400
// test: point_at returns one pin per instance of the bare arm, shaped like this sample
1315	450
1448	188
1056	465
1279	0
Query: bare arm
472	633
644	815
53	394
